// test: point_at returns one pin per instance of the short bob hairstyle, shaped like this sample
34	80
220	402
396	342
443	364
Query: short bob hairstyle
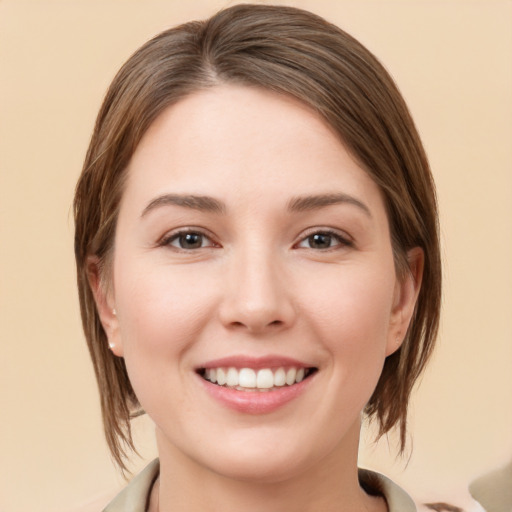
291	52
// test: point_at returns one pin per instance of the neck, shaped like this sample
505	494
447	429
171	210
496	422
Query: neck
330	484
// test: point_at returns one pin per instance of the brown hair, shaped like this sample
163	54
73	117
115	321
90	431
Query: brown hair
293	52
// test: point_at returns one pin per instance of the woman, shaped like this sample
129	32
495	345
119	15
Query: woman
258	263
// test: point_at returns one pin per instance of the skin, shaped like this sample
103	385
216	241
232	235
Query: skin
256	284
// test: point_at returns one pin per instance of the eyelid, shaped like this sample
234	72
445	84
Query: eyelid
344	239
165	240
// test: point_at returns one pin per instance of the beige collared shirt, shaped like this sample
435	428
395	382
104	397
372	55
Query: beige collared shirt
134	498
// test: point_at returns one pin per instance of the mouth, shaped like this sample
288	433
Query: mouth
256	379
256	385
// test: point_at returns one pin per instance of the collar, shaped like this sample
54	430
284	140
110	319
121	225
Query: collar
134	498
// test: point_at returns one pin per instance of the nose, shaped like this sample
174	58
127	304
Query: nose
257	295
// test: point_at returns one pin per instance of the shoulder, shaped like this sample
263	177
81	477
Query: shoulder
396	498
494	490
134	497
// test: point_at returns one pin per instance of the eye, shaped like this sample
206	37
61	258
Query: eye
323	240
188	240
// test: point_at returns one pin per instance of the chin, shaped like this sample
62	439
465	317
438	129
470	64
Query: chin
265	456
264	468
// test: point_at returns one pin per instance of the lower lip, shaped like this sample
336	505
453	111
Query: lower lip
255	402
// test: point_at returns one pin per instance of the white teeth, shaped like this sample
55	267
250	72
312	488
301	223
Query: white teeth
290	376
232	377
211	374
280	377
221	376
265	379
249	379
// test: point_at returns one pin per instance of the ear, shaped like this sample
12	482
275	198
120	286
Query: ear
105	305
407	289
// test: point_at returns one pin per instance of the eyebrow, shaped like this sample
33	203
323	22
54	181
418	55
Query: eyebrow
201	203
296	204
315	202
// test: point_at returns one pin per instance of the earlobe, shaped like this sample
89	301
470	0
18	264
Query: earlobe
406	295
105	305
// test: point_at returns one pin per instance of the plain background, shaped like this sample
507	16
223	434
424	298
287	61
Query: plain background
453	62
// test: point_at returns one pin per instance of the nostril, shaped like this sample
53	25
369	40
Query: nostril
251	326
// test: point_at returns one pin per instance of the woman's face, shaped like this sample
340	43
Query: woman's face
252	250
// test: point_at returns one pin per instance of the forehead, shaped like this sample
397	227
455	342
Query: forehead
236	139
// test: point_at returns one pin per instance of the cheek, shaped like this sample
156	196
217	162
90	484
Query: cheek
352	303
161	314
352	316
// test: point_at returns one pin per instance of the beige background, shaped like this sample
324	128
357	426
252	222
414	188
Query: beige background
453	62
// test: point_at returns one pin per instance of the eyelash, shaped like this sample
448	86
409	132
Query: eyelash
168	239
341	241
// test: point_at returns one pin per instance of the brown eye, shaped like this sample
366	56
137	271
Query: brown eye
189	240
324	240
320	241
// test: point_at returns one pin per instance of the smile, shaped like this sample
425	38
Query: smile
256	380
255	385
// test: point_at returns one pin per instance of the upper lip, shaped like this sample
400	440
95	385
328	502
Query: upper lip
243	361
